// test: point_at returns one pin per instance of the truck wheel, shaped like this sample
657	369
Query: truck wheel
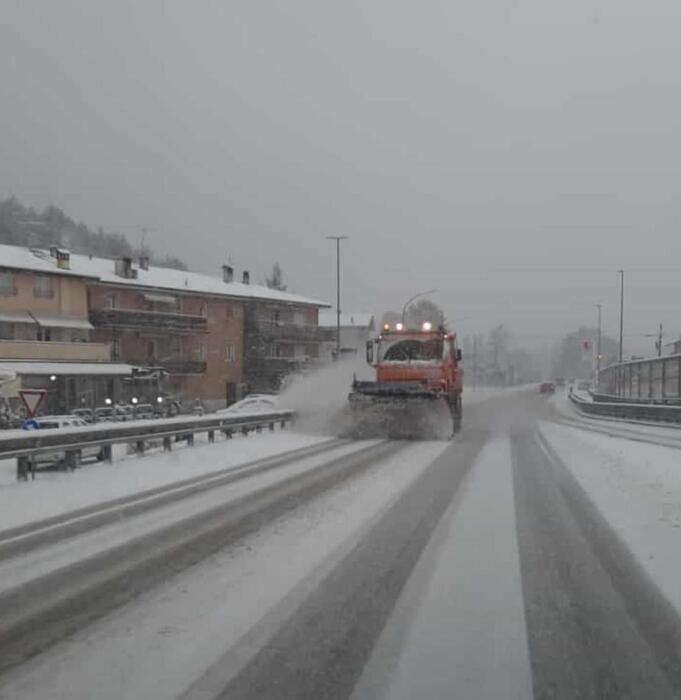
457	415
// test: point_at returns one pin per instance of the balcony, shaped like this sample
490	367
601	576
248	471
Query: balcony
141	319
173	365
282	330
56	351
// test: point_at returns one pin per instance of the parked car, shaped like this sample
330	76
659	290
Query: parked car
122	413
254	403
143	411
104	414
86	414
547	388
58	457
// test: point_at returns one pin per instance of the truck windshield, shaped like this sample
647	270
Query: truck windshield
408	349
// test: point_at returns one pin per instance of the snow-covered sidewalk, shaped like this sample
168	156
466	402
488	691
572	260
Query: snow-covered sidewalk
637	487
58	492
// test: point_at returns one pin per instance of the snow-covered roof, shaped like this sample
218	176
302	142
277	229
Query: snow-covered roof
327	319
19	258
153	277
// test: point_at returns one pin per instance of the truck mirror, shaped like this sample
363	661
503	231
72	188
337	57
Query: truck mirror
370	352
459	354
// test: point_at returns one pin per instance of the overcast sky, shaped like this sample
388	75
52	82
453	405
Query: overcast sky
512	153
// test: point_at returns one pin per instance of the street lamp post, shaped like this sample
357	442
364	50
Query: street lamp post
598	346
416	296
621	355
338	240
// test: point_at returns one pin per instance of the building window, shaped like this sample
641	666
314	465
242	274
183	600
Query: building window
6	331
7	288
177	346
229	352
111	301
299	318
42	287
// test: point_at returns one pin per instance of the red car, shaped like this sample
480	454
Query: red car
547	388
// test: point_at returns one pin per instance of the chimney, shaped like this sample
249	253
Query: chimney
144	262
53	251
227	273
63	259
247	277
123	267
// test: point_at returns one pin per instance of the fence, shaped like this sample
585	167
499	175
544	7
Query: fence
654	380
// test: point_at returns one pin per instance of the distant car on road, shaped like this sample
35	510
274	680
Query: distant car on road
254	403
547	388
58	457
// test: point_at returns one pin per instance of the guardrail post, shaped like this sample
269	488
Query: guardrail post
228	434
139	448
190	439
72	459
244	432
211	436
167	444
107	453
23	467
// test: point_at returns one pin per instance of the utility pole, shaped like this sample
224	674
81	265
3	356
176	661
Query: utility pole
598	345
338	240
659	342
475	362
621	273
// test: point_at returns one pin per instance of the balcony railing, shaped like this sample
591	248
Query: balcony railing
142	318
284	330
54	351
173	366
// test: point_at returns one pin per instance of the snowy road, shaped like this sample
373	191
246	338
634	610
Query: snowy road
531	557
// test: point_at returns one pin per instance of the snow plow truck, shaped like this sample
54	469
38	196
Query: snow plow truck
417	391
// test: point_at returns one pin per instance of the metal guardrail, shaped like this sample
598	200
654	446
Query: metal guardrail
25	447
612	398
635	411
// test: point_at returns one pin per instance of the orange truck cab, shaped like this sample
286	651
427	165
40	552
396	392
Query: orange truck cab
412	365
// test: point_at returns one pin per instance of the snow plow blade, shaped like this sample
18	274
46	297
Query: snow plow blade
399	411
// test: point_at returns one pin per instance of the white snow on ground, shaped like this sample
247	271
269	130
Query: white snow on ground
637	487
58	492
468	580
664	433
19	570
153	647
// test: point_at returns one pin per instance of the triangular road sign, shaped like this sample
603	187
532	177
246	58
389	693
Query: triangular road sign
32	398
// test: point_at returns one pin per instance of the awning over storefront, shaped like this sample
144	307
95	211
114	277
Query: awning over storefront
16	317
63	322
107	369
